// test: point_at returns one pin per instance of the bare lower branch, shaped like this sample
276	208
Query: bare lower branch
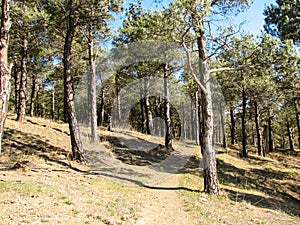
230	68
188	56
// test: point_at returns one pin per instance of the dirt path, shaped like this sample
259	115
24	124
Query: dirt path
137	165
165	206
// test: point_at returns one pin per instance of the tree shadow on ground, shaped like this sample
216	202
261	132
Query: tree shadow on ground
136	155
43	125
268	181
30	144
275	193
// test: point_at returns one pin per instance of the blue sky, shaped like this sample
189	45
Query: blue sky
253	16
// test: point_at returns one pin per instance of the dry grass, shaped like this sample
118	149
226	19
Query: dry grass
253	191
50	189
47	190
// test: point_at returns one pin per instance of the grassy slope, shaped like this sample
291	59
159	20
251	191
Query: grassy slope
254	191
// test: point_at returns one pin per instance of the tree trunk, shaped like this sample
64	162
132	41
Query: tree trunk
271	142
158	115
258	130
17	85
5	68
37	106
148	114
23	84
290	134
199	118
168	134
143	111
224	144
92	88
162	115
232	125
192	130
117	81
183	122
33	94
101	110
297	121
52	100
211	183
266	140
196	119
77	149
244	132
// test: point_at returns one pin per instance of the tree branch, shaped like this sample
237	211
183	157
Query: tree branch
230	68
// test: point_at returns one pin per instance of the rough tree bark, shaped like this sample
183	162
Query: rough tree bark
192	125
211	183
77	149
196	119
5	68
33	95
52	100
271	141
148	113
297	120
168	134
232	125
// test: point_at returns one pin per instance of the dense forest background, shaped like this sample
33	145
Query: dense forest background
52	44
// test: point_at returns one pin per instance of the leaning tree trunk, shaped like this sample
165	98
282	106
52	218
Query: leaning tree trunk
77	149
23	83
168	134
5	68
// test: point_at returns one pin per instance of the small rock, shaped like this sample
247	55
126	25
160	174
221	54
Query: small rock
109	221
203	199
125	217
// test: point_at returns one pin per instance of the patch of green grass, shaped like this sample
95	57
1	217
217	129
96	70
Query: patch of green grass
22	188
132	210
111	208
90	201
75	211
66	200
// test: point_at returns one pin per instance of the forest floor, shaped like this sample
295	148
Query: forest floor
40	185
